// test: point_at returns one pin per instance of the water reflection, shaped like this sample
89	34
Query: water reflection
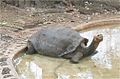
35	70
31	71
85	75
103	65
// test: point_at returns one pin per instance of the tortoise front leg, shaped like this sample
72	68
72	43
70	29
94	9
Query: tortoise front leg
30	50
76	57
69	56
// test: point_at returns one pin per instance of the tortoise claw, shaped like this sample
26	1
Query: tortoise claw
73	61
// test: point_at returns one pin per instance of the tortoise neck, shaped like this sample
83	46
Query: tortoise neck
91	48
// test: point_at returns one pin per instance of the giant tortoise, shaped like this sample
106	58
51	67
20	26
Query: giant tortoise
62	42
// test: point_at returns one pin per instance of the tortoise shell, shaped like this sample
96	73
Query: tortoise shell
56	41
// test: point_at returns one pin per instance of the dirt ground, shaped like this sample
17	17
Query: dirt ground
20	19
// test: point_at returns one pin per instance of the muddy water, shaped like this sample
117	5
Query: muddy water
103	65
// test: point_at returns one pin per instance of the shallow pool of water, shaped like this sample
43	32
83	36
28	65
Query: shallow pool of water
103	65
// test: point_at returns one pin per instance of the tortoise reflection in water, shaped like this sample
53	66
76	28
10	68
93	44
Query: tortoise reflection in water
62	42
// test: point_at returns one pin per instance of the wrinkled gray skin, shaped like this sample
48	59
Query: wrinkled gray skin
62	42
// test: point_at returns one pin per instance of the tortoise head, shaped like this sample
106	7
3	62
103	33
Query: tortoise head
98	38
91	49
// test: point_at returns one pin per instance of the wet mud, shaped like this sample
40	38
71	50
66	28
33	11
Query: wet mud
103	65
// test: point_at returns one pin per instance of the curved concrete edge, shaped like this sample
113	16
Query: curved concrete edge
97	23
7	66
9	71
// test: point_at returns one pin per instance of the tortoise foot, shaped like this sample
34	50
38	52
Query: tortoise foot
74	61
